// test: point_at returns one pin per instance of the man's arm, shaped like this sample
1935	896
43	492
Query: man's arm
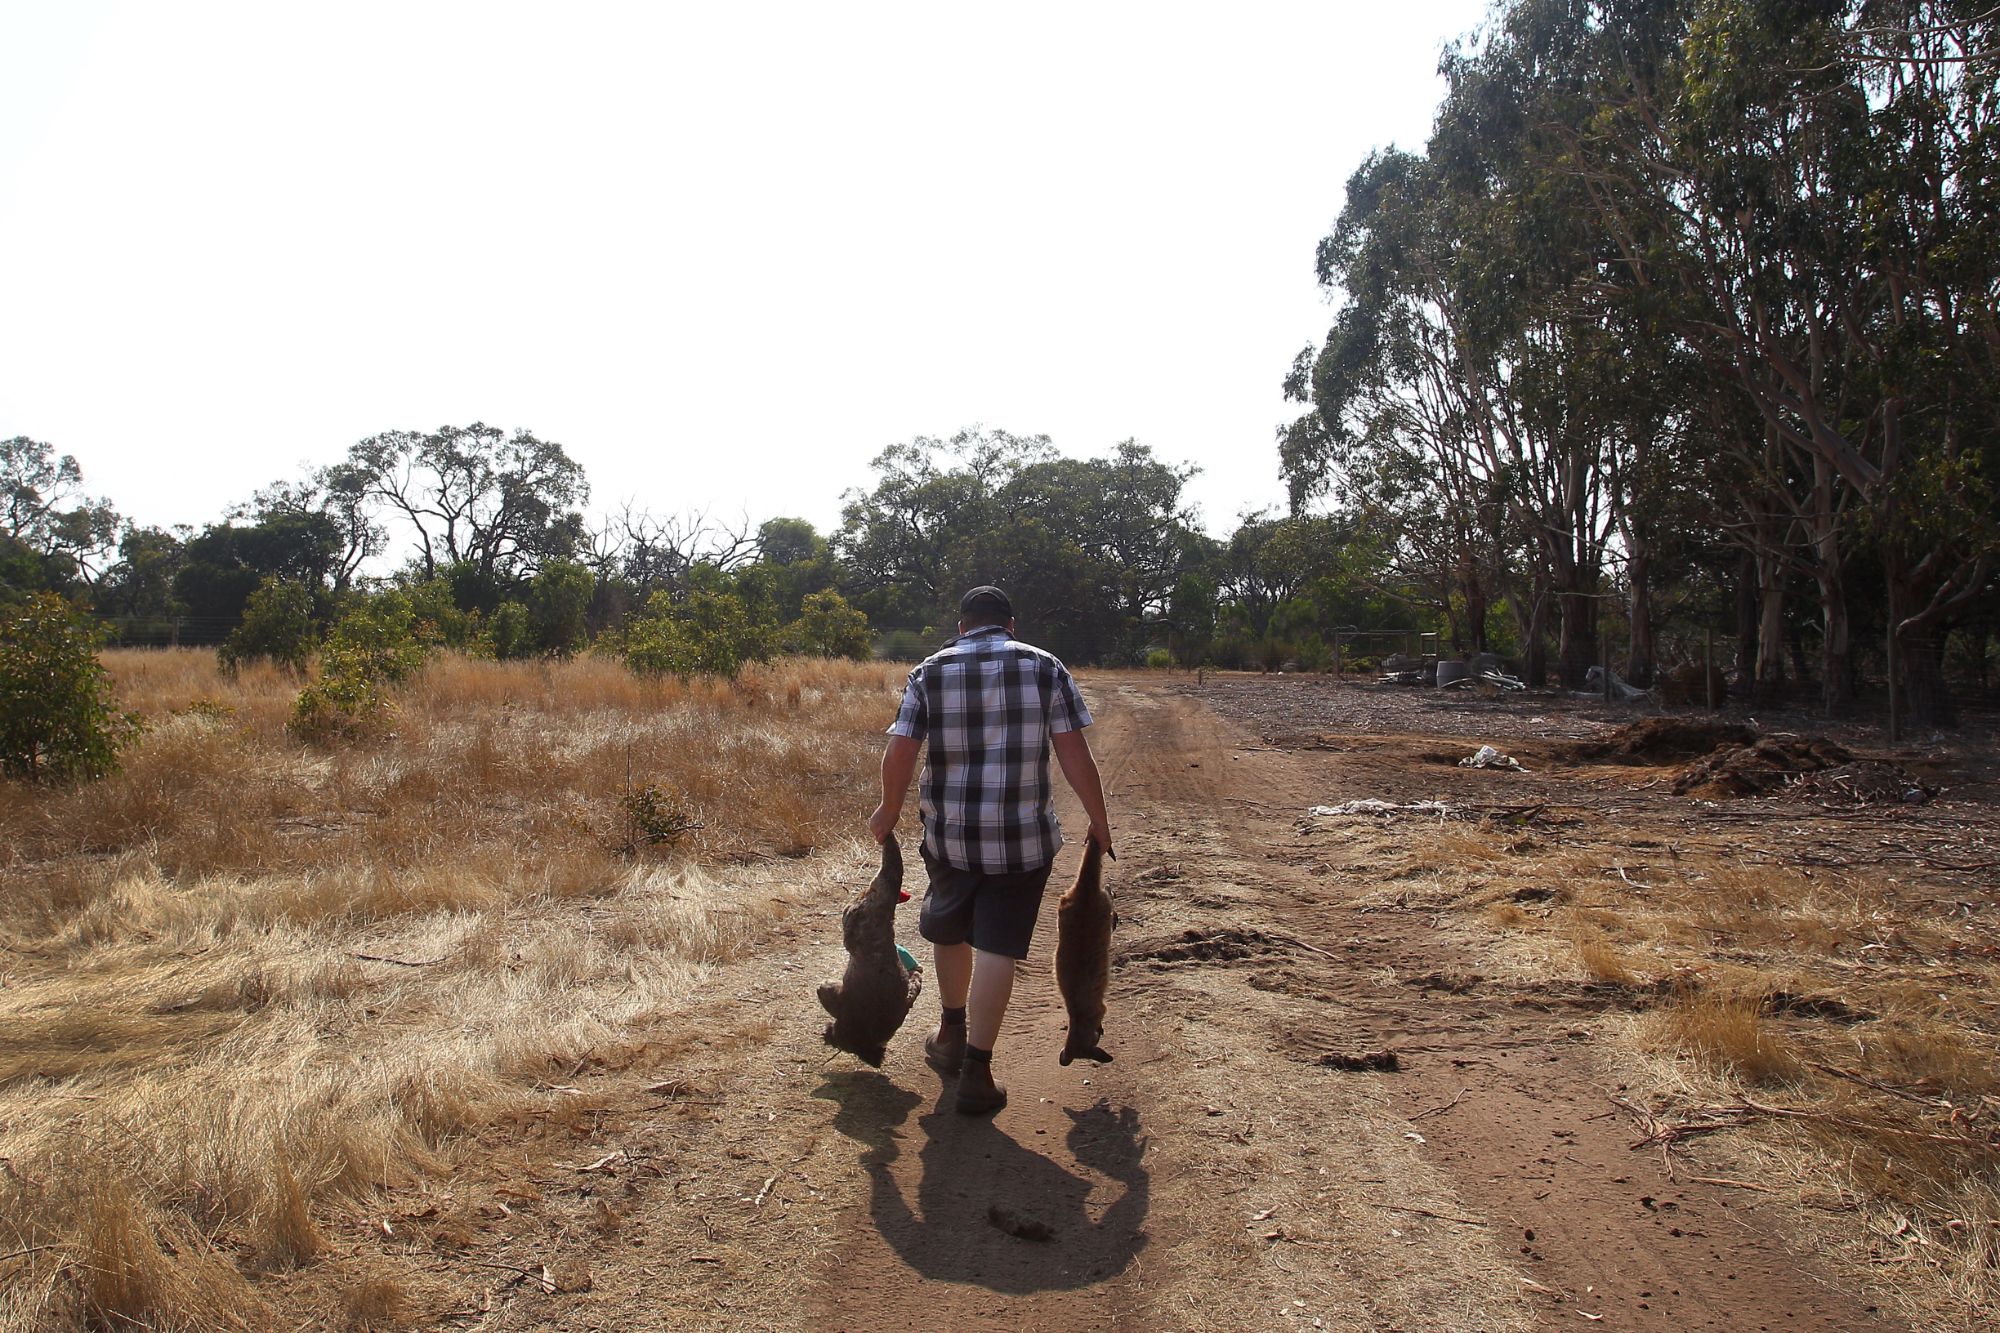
1079	769
899	765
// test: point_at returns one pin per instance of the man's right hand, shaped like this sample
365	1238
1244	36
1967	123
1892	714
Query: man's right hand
882	823
1101	835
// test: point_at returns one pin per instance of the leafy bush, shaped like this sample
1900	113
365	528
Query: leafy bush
372	647
439	618
277	624
828	627
378	637
57	721
904	645
708	633
656	815
340	705
510	633
558	602
1159	658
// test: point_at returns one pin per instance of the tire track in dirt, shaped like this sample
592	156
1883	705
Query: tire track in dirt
1200	1182
1218	1176
1526	1139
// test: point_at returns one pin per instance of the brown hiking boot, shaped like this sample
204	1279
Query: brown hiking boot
944	1050
977	1092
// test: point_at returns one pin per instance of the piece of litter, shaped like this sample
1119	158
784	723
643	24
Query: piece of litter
1415	1137
1263	1216
1488	757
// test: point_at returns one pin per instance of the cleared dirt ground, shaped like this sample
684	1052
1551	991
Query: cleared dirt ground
1225	1172
1610	1011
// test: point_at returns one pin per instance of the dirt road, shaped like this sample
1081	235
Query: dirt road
1225	1172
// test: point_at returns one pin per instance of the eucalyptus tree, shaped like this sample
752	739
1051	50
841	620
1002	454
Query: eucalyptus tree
1814	184
476	496
47	521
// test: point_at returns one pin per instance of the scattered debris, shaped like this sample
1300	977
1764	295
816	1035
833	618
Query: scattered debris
1863	782
1371	806
1192	946
1382	1062
1488	757
1622	691
1658	741
1759	768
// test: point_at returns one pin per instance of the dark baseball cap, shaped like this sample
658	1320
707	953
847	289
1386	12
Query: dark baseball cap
986	600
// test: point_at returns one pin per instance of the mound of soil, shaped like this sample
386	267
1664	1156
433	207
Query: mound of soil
1759	768
1658	741
1864	782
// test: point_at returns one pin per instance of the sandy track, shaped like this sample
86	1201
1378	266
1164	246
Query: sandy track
1219	1175
1526	1148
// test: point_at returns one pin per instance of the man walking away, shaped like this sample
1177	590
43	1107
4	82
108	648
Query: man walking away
991	707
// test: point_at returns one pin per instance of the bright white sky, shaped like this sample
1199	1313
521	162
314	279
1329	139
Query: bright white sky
723	253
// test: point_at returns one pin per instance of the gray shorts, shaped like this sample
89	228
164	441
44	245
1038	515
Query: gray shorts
992	913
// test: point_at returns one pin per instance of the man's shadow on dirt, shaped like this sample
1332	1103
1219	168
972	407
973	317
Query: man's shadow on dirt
992	1211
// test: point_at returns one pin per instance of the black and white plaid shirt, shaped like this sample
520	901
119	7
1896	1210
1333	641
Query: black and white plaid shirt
988	705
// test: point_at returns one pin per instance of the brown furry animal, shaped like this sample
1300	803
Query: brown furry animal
1084	918
873	997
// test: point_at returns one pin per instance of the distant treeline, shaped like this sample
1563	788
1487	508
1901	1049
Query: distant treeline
1683	329
486	536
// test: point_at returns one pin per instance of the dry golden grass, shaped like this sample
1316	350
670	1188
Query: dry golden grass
244	983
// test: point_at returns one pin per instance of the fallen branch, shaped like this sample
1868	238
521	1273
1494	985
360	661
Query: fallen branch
1936	1103
1301	944
1440	1110
1425	1212
1733	1184
399	962
22	1254
541	1279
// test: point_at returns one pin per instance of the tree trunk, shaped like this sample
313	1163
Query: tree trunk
1836	653
1535	652
1927	700
1579	648
1746	622
1639	654
1475	613
1770	684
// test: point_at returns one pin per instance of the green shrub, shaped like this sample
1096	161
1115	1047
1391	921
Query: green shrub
1159	659
558	604
57	721
277	624
828	627
708	633
378	638
342	704
656	815
373	647
439	618
903	645
510	633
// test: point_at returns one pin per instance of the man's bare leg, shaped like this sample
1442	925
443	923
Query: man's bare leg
954	974
992	987
945	1048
